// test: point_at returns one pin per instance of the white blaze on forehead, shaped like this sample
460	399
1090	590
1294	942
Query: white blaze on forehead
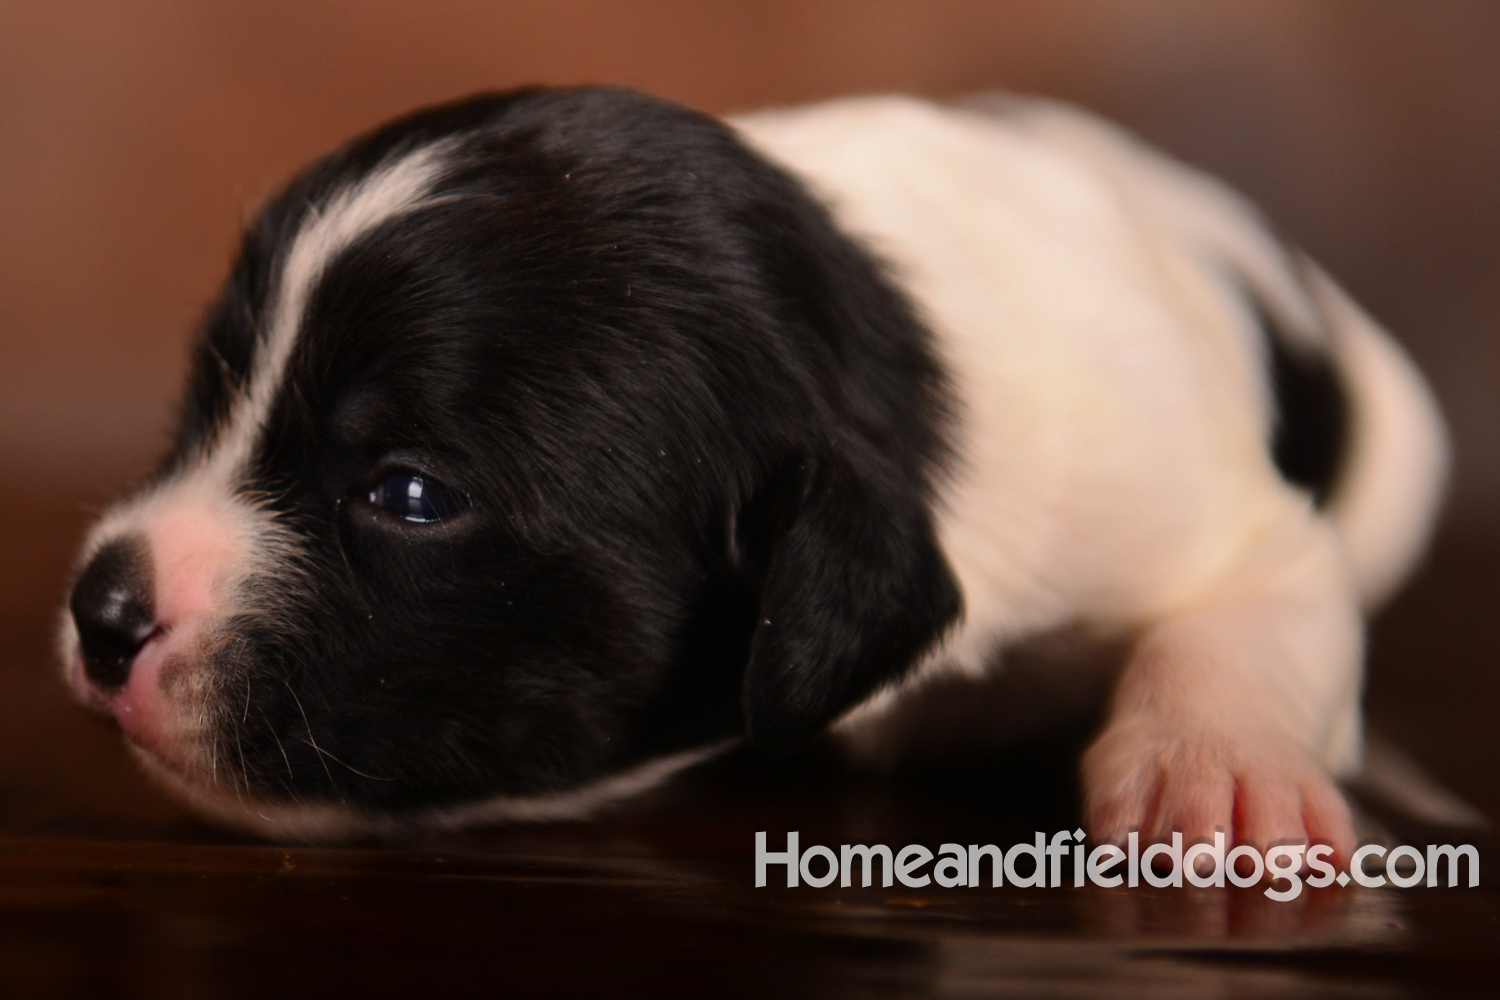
398	186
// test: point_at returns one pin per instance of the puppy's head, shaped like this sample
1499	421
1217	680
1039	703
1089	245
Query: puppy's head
533	442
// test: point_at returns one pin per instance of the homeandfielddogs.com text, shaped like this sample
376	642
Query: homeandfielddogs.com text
1065	856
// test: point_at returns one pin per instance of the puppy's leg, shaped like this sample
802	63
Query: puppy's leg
1231	712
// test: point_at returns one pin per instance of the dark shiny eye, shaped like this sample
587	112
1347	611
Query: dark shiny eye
415	497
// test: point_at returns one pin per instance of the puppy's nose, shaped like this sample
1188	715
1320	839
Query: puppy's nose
113	608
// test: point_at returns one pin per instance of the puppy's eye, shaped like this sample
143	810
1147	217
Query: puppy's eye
415	497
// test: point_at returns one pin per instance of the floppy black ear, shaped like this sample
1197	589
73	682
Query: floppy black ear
855	589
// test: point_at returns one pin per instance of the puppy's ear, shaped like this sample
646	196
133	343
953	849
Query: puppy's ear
855	589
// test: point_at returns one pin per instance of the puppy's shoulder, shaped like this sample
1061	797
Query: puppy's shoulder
900	149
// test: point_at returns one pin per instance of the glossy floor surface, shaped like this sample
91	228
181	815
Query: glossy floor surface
106	889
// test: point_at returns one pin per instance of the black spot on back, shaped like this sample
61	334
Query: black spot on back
1310	428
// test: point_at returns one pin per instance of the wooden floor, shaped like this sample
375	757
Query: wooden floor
105	889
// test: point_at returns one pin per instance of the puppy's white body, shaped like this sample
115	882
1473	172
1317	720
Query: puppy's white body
1113	470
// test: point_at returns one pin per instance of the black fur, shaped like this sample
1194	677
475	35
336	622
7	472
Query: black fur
1310	433
698	429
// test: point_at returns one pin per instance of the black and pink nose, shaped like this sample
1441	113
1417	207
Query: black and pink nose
113	610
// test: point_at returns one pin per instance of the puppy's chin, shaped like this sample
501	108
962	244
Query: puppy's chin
221	804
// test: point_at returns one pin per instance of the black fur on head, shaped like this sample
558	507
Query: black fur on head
693	428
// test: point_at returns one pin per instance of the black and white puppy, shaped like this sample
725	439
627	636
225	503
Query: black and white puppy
541	443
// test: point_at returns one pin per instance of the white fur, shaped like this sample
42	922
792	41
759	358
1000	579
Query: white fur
1114	473
393	189
1399	465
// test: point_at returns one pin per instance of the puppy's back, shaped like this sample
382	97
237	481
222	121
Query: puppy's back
1143	369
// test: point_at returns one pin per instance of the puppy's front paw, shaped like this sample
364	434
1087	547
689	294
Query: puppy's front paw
1146	776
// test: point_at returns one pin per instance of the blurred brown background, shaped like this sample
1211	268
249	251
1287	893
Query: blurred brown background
139	134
